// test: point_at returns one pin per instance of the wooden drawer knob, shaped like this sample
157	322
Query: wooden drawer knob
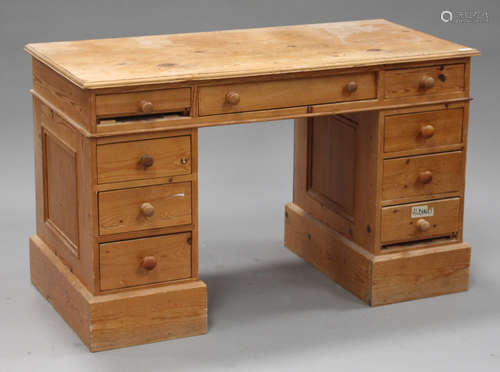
232	98
427	131
146	107
147	160
423	225
427	82
425	177
149	262
351	86
147	209
184	160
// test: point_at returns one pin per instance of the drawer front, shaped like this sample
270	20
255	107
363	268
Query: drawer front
143	208
144	159
422	175
145	261
418	221
425	81
143	103
286	93
423	130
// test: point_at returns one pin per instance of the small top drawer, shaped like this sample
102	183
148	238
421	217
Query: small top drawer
144	159
423	130
143	103
425	81
266	95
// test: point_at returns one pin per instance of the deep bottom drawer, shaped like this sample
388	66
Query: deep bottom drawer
417	221
145	261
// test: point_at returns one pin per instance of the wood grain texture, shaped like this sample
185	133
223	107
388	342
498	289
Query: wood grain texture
423	273
404	132
301	195
63	94
286	93
407	82
61	189
117	162
398	224
61	288
328	251
120	210
123	104
344	158
186	122
383	114
367	180
381	279
332	162
64	201
119	319
149	315
401	175
251	52
120	262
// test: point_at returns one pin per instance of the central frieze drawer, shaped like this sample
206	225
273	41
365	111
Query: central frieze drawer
145	261
144	159
423	175
275	94
143	208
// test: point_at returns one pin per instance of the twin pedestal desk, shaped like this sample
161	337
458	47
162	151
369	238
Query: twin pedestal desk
381	114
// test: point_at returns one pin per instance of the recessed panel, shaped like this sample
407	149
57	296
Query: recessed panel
61	201
332	155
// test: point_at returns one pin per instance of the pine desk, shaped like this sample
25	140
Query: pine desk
381	115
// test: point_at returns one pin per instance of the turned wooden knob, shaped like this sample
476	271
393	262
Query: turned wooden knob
149	262
423	225
184	160
232	98
147	160
351	86
147	209
427	82
427	131
425	177
146	107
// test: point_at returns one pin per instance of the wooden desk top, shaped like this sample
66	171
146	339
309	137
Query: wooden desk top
127	61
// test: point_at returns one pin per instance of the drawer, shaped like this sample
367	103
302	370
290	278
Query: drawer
418	221
438	79
143	208
423	175
266	95
423	130
143	103
144	159
145	261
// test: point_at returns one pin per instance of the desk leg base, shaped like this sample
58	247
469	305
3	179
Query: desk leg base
119	319
377	279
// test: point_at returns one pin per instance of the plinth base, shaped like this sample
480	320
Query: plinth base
119	319
377	279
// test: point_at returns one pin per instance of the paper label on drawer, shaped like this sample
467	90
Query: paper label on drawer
422	211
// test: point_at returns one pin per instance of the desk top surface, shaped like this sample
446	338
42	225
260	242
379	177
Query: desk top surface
127	61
